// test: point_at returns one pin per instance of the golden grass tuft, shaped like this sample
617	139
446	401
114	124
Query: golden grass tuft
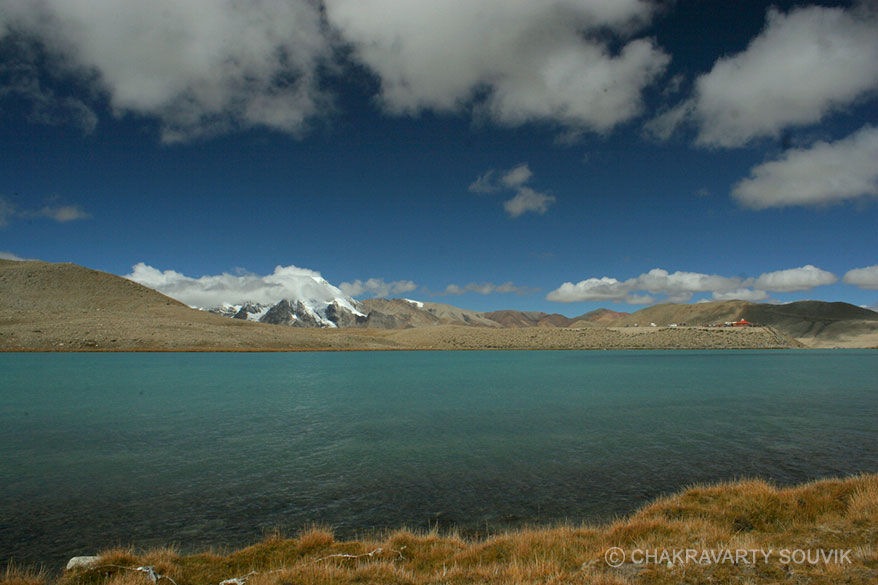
315	539
862	506
16	575
747	515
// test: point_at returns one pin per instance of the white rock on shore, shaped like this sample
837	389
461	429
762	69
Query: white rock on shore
81	563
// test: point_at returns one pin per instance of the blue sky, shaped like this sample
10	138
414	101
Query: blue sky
538	155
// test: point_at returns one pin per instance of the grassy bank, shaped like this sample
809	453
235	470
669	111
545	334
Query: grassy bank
721	520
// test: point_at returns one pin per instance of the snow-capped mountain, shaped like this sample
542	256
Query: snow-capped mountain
289	296
297	297
337	312
249	311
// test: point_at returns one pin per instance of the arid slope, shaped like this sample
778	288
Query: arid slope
68	307
65	306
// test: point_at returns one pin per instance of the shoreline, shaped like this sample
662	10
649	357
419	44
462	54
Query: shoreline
388	349
233	336
829	514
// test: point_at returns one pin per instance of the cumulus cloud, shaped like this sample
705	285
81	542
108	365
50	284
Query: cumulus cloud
286	282
484	288
741	294
863	277
591	289
198	67
679	282
516	177
517	60
377	287
806	63
825	172
680	286
526	199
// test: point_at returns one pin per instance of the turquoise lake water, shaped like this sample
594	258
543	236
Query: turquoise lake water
204	449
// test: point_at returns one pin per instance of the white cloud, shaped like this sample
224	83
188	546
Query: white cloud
517	60
741	294
199	66
863	277
680	286
376	287
826	172
804	65
591	289
795	279
286	282
202	67
517	176
664	282
528	201
484	288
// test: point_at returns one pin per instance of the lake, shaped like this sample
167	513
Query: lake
205	449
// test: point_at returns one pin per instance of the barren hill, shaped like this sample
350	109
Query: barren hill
814	323
602	317
404	313
64	306
689	314
528	319
597	318
818	323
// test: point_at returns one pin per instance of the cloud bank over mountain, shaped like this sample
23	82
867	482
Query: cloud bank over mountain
286	282
680	286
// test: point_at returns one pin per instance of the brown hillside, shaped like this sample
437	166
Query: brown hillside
396	314
65	306
604	317
451	315
690	314
820	324
528	319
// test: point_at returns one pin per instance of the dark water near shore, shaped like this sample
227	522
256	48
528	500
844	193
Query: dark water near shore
215	449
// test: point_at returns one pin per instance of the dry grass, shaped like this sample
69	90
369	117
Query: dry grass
747	515
15	575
